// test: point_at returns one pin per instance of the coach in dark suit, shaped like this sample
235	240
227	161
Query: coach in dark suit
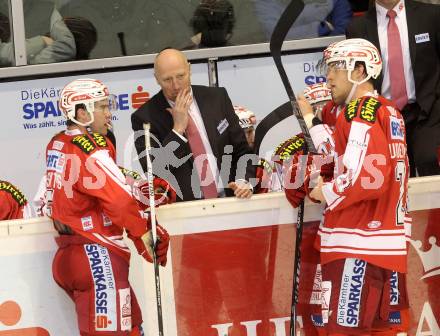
419	29
175	113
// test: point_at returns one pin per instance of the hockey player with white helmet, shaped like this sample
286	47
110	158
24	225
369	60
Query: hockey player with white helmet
317	99
91	204
317	95
247	121
263	173
362	239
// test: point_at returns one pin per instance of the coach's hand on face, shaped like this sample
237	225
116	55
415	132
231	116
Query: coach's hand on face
181	109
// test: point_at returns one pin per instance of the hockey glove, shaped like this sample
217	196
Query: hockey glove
163	192
303	174
294	180
263	175
295	196
144	245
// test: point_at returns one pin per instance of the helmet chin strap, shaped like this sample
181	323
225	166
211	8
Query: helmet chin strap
351	94
89	107
355	86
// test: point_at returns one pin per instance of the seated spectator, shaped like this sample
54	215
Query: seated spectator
213	22
359	6
85	35
247	122
319	18
57	47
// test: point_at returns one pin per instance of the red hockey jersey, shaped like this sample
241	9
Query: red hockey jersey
366	215
330	113
86	190
13	204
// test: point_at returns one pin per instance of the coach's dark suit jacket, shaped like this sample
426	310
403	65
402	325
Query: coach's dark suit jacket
425	59
222	128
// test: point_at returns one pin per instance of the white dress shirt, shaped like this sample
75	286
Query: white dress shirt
382	25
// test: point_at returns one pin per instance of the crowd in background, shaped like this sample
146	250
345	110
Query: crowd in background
64	30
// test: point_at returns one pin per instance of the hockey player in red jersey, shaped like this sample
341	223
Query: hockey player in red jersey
363	237
91	204
13	203
318	99
247	122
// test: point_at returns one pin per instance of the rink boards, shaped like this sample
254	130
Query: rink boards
229	271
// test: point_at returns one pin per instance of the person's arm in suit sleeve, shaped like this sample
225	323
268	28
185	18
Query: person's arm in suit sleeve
139	139
353	29
241	149
437	40
338	19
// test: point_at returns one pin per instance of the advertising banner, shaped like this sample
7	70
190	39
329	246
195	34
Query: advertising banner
255	83
239	282
233	265
30	117
31	303
30	113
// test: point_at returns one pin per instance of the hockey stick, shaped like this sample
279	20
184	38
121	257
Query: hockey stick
153	227
286	20
122	43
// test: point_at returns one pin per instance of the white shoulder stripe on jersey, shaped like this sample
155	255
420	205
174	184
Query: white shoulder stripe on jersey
107	164
356	150
119	243
357	144
115	237
353	160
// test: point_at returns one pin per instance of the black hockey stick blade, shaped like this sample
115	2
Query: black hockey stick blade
286	21
158	295
282	27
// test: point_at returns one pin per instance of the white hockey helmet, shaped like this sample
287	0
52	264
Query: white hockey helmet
346	53
317	93
246	117
85	91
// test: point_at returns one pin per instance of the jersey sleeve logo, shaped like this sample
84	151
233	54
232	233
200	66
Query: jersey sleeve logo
397	127
99	139
369	109
84	143
289	147
265	165
16	194
351	110
127	172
